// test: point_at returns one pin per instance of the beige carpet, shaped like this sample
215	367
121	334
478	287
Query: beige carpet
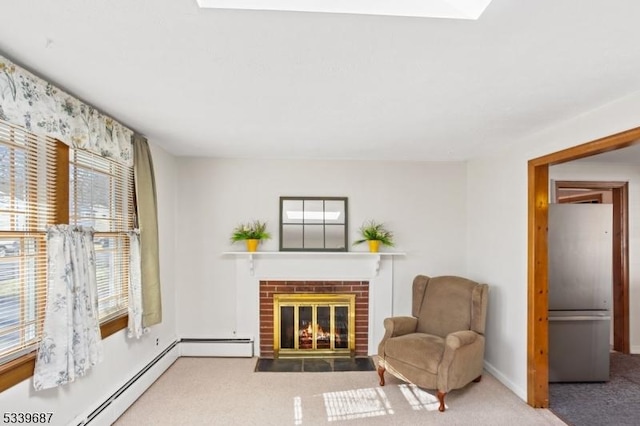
227	391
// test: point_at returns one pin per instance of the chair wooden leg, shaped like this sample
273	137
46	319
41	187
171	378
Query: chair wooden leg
477	379
441	396
381	374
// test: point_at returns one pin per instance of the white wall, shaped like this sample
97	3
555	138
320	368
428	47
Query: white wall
423	203
616	172
123	358
497	224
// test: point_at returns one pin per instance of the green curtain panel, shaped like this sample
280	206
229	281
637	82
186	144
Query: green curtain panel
148	225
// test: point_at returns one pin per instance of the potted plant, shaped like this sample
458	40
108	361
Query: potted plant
252	233
375	233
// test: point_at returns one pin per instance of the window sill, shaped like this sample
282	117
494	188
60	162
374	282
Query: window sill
19	369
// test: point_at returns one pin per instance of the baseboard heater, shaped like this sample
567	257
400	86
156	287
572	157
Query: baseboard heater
236	347
118	403
114	406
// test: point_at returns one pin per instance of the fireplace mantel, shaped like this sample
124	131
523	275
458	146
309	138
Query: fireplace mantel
253	267
372	258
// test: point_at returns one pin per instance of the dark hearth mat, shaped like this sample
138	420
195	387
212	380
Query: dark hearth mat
316	365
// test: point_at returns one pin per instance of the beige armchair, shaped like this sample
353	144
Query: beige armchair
442	345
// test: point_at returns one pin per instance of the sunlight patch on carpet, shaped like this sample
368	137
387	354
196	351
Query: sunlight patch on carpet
356	404
368	402
297	410
419	399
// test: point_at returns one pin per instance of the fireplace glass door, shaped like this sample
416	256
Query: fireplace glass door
314	324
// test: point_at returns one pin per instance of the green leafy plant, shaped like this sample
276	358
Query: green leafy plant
373	230
255	230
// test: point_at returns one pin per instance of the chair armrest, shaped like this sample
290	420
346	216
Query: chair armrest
396	326
458	339
399	326
462	360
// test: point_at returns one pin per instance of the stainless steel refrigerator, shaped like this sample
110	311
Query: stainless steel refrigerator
580	291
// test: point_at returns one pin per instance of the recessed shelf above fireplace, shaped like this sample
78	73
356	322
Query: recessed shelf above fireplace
373	258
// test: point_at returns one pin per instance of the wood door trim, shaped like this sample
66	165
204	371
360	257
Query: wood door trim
537	291
537	259
621	338
586	198
599	146
585	184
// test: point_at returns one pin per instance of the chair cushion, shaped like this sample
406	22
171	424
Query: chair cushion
446	306
420	350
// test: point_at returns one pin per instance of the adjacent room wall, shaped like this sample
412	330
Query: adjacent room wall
123	358
592	171
423	203
497	229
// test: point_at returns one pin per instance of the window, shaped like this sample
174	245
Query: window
43	182
101	196
27	205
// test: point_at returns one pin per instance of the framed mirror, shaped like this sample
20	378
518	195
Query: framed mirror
313	224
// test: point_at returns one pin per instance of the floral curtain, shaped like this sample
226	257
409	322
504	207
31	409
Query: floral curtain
28	101
135	329
71	341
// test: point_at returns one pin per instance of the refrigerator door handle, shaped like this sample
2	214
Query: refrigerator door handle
580	318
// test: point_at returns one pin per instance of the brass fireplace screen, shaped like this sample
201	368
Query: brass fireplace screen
314	324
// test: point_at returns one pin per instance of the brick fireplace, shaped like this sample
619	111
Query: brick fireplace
360	289
368	275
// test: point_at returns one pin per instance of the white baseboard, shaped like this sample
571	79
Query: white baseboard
240	348
108	411
521	393
634	350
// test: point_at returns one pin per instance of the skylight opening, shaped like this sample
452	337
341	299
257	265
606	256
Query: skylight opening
450	9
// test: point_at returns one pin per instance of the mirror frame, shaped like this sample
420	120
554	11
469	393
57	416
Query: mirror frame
324	224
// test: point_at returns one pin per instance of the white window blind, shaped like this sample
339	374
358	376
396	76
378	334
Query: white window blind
27	206
101	196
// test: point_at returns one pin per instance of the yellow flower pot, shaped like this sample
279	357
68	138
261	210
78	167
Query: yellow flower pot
374	246
252	245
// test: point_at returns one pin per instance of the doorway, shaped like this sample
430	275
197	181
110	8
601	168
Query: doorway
616	194
537	276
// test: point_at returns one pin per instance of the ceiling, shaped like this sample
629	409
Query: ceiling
268	84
